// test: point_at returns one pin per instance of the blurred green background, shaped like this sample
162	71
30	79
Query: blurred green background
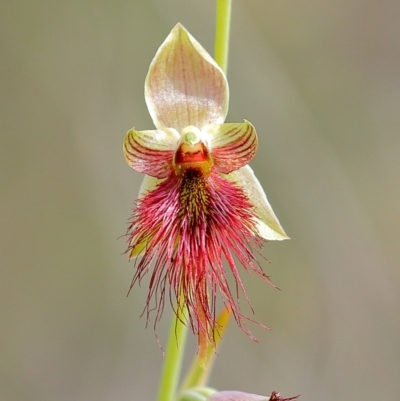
320	80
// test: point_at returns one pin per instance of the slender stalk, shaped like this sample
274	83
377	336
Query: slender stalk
222	30
173	356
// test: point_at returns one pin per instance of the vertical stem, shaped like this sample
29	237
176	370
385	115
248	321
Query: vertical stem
173	356
223	23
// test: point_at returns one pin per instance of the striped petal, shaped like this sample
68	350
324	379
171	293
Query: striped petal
267	224
233	145
184	85
151	152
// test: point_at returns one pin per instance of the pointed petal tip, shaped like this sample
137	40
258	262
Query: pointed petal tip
270	230
176	31
179	27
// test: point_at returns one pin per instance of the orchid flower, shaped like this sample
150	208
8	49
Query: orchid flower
200	203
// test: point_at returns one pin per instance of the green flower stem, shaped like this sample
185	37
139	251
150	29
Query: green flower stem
223	23
173	356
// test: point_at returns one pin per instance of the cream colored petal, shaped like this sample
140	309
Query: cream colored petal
267	224
151	152
233	145
184	85
148	184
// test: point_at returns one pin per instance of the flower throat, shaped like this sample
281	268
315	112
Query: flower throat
193	196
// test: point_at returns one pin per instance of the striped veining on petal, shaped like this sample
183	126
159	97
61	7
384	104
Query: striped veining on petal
233	145
184	85
151	152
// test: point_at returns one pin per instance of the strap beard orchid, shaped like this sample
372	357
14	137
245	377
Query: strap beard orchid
200	203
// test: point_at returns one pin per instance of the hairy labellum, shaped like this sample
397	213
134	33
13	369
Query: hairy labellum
192	222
